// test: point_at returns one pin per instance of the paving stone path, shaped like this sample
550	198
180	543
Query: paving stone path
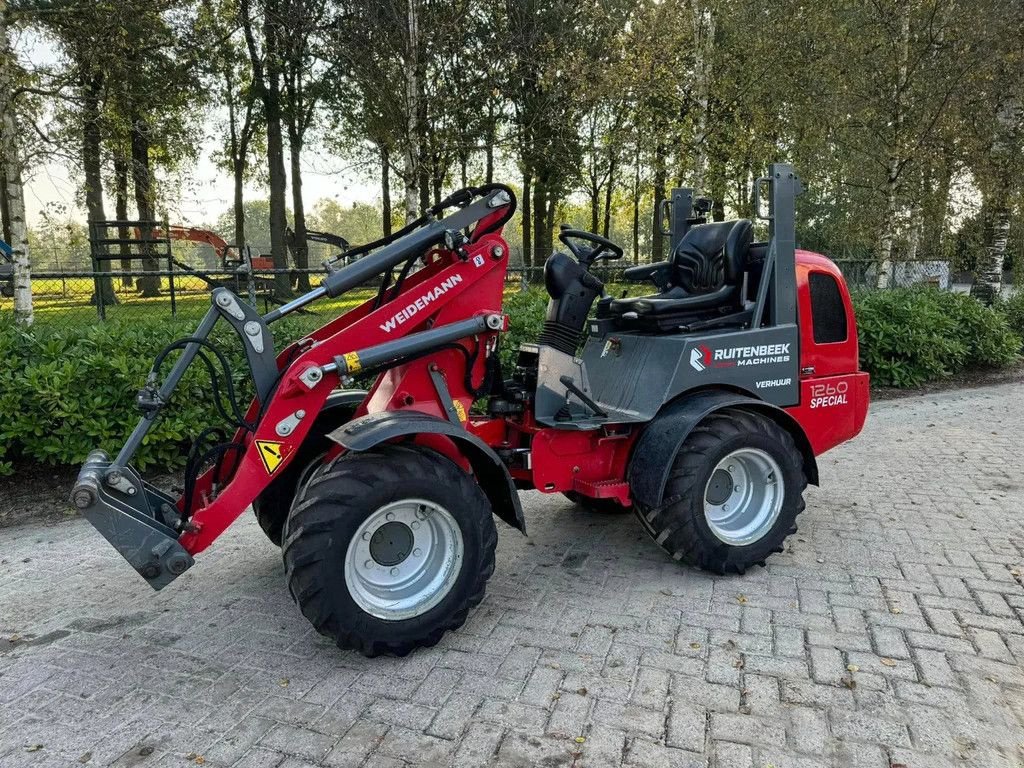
890	633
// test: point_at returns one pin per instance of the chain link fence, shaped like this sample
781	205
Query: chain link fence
76	297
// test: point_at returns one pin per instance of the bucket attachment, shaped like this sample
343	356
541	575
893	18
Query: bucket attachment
133	516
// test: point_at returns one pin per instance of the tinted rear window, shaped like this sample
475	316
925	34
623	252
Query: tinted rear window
828	313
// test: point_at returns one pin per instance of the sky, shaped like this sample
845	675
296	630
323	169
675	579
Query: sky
206	191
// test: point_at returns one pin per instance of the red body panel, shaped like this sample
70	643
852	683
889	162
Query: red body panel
833	391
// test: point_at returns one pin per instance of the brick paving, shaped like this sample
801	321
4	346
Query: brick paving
890	633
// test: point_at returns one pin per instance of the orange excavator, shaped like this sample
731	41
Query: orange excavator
230	256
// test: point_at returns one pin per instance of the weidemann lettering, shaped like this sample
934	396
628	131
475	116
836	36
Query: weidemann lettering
420	304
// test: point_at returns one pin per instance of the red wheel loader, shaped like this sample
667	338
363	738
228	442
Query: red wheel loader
700	407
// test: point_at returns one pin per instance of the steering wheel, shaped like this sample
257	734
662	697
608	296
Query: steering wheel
602	246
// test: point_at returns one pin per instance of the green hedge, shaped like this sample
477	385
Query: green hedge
912	336
1013	309
65	391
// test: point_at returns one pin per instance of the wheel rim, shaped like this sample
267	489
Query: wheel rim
404	559
743	496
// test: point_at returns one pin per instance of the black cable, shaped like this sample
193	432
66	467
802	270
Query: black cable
238	419
401	277
190	478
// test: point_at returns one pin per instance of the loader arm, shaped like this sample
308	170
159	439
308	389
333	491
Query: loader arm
446	315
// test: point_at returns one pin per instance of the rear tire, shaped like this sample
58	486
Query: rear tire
597	506
386	551
735	490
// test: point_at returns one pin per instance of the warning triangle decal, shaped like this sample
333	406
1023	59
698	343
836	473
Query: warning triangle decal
271	453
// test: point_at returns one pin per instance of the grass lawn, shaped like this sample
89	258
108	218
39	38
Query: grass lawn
66	302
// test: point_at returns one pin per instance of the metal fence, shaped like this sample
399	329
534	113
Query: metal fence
71	298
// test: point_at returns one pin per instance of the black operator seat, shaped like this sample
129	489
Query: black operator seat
704	276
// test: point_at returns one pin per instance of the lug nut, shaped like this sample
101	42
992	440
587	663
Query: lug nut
414	524
390	516
368	564
394	571
366	535
417	552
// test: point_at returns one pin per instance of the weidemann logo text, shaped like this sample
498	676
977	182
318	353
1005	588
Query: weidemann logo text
421	303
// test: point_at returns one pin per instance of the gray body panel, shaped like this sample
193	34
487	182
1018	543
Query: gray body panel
633	374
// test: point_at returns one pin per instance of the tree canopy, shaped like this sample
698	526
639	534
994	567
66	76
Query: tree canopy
890	109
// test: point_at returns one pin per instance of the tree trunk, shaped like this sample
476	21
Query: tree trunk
636	209
93	170
703	40
300	245
988	282
889	220
266	80
385	187
238	156
121	211
889	223
5	210
275	153
14	192
413	171
549	223
149	285
238	204
540	199
489	158
609	189
527	212
716	188
914	233
988	270
657	241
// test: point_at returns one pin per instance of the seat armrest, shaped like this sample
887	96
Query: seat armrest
658	273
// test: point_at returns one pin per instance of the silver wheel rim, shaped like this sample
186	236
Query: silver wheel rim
743	496
404	559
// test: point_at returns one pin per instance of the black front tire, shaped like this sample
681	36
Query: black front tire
272	505
681	527
326	516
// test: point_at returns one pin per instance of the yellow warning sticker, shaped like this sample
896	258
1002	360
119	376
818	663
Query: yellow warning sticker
460	410
352	361
271	453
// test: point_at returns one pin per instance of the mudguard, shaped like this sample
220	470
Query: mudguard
659	443
367	431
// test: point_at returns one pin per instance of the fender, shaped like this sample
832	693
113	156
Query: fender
659	443
495	480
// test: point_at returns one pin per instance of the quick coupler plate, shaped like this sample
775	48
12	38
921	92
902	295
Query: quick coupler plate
133	516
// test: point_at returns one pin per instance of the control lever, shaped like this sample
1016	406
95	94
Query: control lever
570	386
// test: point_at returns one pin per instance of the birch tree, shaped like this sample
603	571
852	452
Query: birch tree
12	166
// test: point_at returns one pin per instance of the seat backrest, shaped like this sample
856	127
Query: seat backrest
711	255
